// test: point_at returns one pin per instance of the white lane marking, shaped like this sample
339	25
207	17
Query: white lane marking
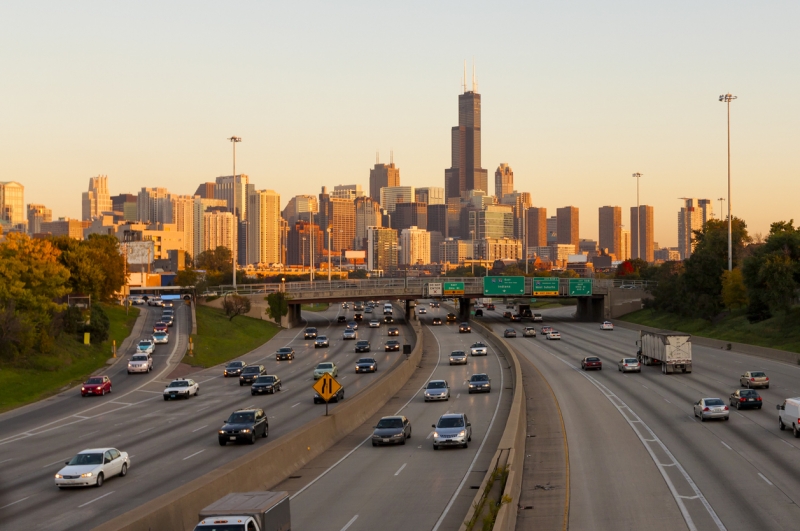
94	500
200	428
726	446
120	403
49	464
478	453
87	434
610	396
297	404
148	429
353	519
76	416
194	454
458	395
14	503
400	470
144	391
5	460
765	479
429	435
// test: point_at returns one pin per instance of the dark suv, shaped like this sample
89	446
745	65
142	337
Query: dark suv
362	346
250	373
310	333
244	425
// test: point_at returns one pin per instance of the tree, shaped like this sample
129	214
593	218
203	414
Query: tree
278	306
187	277
215	260
98	324
96	266
772	271
734	292
234	305
776	277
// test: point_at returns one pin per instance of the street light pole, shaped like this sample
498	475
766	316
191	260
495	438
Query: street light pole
721	199
303	253
234	140
637	176
311	250
728	98
472	241
329	255
525	236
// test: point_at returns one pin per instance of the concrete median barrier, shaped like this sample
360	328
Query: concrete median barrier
266	467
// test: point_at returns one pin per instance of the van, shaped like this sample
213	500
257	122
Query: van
789	415
387	309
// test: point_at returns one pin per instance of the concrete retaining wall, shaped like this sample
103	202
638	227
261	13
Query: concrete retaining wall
267	466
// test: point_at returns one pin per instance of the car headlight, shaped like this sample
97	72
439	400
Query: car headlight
59	476
435	434
472	385
87	475
245	430
221	432
462	433
83	389
398	434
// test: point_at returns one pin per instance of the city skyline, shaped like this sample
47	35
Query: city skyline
653	106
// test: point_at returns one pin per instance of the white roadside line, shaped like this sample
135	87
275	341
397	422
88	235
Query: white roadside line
50	464
652	438
200	428
400	470
94	500
194	454
14	503
726	446
348	524
765	478
6	460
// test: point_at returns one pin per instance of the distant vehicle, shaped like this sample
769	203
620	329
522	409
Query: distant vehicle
591	362
451	318
458	357
341	319
250	373
752	379
234	368
490	306
353	325
349	333
137	301
525	310
145	346
374	323
480	383
537	318
321	342
268	383
529	332
362	346
310	333
672	351
325	367
393	332
387	308
93	467
284	353
142	362
244	425
711	408
209	294
392	346
547	329
789	415
181	388
358	306
366	365
358	317
745	398
437	390
478	313
553	334
247	511
421	310
388	319
391	430
154	301
167	304
160	338
479	349
453	429
510	332
629	365
607	325
160	326
168	319
515	318
335	398
437	321
434	304
345	306
96	385
368	309
464	328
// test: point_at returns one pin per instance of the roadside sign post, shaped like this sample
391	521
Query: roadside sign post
434	289
502	286
580	287
326	387
453	288
544	286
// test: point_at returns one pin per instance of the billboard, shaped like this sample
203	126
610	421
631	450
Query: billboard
139	253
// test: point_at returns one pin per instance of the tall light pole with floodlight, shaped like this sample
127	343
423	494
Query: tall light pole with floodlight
234	140
728	98
720	199
638	176
329	230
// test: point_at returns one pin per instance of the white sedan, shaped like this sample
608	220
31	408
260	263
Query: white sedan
92	467
181	388
421	310
553	335
607	325
145	346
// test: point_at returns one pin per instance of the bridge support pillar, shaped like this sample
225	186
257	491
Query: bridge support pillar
590	309
293	318
407	309
463	308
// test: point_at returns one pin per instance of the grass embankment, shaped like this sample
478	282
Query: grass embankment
69	364
315	307
542	304
219	340
780	332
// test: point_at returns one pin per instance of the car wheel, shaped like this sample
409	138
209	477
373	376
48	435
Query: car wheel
252	393
124	471
102	392
702	419
748	385
222	442
767	387
759	407
781	425
99	480
166	398
728	418
737	406
252	438
796	432
435	446
129	372
109	390
197	392
466	445
403	441
374	443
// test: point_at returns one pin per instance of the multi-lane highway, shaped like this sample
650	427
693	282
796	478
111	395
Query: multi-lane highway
637	456
170	443
356	486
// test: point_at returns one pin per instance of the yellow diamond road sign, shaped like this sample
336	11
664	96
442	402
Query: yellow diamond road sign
326	387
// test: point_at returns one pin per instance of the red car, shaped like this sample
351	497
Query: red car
160	327
592	362
96	385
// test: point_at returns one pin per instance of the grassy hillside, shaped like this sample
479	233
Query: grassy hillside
219	340
781	332
69	364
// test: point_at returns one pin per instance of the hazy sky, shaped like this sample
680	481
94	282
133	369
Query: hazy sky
577	96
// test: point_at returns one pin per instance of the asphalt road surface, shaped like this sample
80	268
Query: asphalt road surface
356	486
170	443
639	459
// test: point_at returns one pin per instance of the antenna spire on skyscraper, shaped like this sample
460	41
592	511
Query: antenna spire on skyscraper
464	79
474	83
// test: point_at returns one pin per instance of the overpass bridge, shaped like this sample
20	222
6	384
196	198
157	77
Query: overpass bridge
609	297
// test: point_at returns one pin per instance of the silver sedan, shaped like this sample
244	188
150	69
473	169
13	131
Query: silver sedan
437	390
629	365
711	408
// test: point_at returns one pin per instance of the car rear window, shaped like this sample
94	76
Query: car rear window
631	360
748	392
592	359
757	374
714	402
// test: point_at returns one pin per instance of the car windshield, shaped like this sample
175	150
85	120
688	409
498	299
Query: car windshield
322	338
390	423
479	378
325	366
630	360
139	358
450	422
478	345
160	334
236	364
457	353
94	381
179	384
144	344
714	402
757	374
251	370
366	360
285	349
265	379
392	342
311	329
437	385
87	459
240	418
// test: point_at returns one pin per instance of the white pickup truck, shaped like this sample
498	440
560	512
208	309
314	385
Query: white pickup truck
247	511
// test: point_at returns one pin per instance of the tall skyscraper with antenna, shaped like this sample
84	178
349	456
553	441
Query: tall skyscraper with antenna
465	172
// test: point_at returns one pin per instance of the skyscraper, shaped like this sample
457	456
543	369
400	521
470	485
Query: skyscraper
127	205
382	176
568	225
234	190
264	238
207	190
408	215
154	205
12	203
381	249
519	201
415	246
438	219
642	233
38	214
183	217
300	207
537	227
692	216
200	207
97	200
610	229
552	230
220	230
624	245
391	195
301	236
339	215
432	195
503	181
368	214
347	191
465	172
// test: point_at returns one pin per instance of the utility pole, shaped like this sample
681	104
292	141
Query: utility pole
329	256
525	236
720	199
637	176
234	140
728	98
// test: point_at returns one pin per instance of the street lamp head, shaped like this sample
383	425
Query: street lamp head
727	98
235	139
637	175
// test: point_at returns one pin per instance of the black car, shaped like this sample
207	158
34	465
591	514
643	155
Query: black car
451	318
341	319
745	398
464	328
250	373
358	317
234	368
478	313
480	383
244	425
284	353
266	384
437	321
366	365
388	319
168	319
393	332
335	398
516	318
362	346
392	345
391	430
310	333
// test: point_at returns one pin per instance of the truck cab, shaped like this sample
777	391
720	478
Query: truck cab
247	511
229	523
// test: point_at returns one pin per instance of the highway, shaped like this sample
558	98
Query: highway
356	486
170	443
637	456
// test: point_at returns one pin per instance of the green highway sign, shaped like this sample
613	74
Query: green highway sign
543	286
580	287
533	300
453	288
503	286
